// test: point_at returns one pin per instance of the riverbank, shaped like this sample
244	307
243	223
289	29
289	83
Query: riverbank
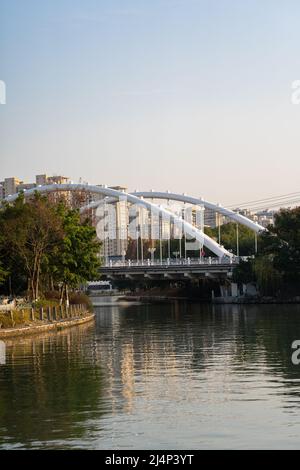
255	300
157	294
216	300
151	299
44	327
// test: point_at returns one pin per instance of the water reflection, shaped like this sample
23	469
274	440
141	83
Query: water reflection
223	371
50	388
177	375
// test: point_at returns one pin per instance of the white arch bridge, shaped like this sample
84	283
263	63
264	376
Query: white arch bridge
102	198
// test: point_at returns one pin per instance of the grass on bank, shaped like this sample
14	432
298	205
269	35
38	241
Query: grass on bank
12	318
22	316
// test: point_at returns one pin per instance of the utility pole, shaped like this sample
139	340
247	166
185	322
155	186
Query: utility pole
141	235
137	239
169	241
160	238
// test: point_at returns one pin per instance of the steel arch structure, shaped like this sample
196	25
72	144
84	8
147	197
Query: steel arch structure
200	236
208	205
241	219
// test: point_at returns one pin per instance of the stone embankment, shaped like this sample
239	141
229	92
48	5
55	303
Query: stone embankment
22	322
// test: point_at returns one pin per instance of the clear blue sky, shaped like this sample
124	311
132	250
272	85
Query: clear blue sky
187	95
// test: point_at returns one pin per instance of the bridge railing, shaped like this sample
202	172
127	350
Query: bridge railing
174	262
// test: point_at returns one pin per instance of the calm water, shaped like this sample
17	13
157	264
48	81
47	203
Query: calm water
157	376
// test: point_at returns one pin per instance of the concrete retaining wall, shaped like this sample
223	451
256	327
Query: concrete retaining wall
55	325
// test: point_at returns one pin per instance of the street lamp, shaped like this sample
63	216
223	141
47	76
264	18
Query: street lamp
237	241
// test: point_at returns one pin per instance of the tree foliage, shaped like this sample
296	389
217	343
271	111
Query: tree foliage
228	233
283	243
3	274
76	258
244	272
40	239
276	267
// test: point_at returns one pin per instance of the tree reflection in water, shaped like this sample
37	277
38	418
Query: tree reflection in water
50	387
170	338
173	375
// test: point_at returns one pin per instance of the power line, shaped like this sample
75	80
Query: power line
269	199
274	205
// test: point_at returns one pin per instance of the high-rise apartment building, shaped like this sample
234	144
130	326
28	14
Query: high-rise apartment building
11	185
213	219
114	225
58	180
25	186
42	180
14	185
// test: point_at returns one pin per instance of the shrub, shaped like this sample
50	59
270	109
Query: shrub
52	295
9	319
77	298
45	303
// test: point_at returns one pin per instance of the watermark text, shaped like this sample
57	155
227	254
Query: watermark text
2	92
296	353
2	353
295	96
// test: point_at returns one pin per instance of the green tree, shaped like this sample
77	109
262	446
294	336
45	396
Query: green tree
30	230
244	272
277	265
76	259
269	279
282	241
229	238
41	240
3	274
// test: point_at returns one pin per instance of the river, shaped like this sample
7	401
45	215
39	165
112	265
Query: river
174	375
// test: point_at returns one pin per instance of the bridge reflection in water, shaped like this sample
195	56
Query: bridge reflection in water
177	375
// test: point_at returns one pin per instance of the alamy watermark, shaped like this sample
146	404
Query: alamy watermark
296	353
295	96
2	353
2	92
152	223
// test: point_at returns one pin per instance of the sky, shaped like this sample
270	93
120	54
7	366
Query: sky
191	96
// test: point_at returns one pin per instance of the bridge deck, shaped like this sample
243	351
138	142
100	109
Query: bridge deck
165	271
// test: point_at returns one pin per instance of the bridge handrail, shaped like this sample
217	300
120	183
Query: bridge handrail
173	262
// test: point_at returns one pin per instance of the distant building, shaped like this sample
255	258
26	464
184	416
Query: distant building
213	219
42	180
25	187
116	219
14	185
265	217
57	180
10	186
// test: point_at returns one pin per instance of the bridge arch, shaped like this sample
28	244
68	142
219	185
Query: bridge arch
241	219
200	236
209	205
